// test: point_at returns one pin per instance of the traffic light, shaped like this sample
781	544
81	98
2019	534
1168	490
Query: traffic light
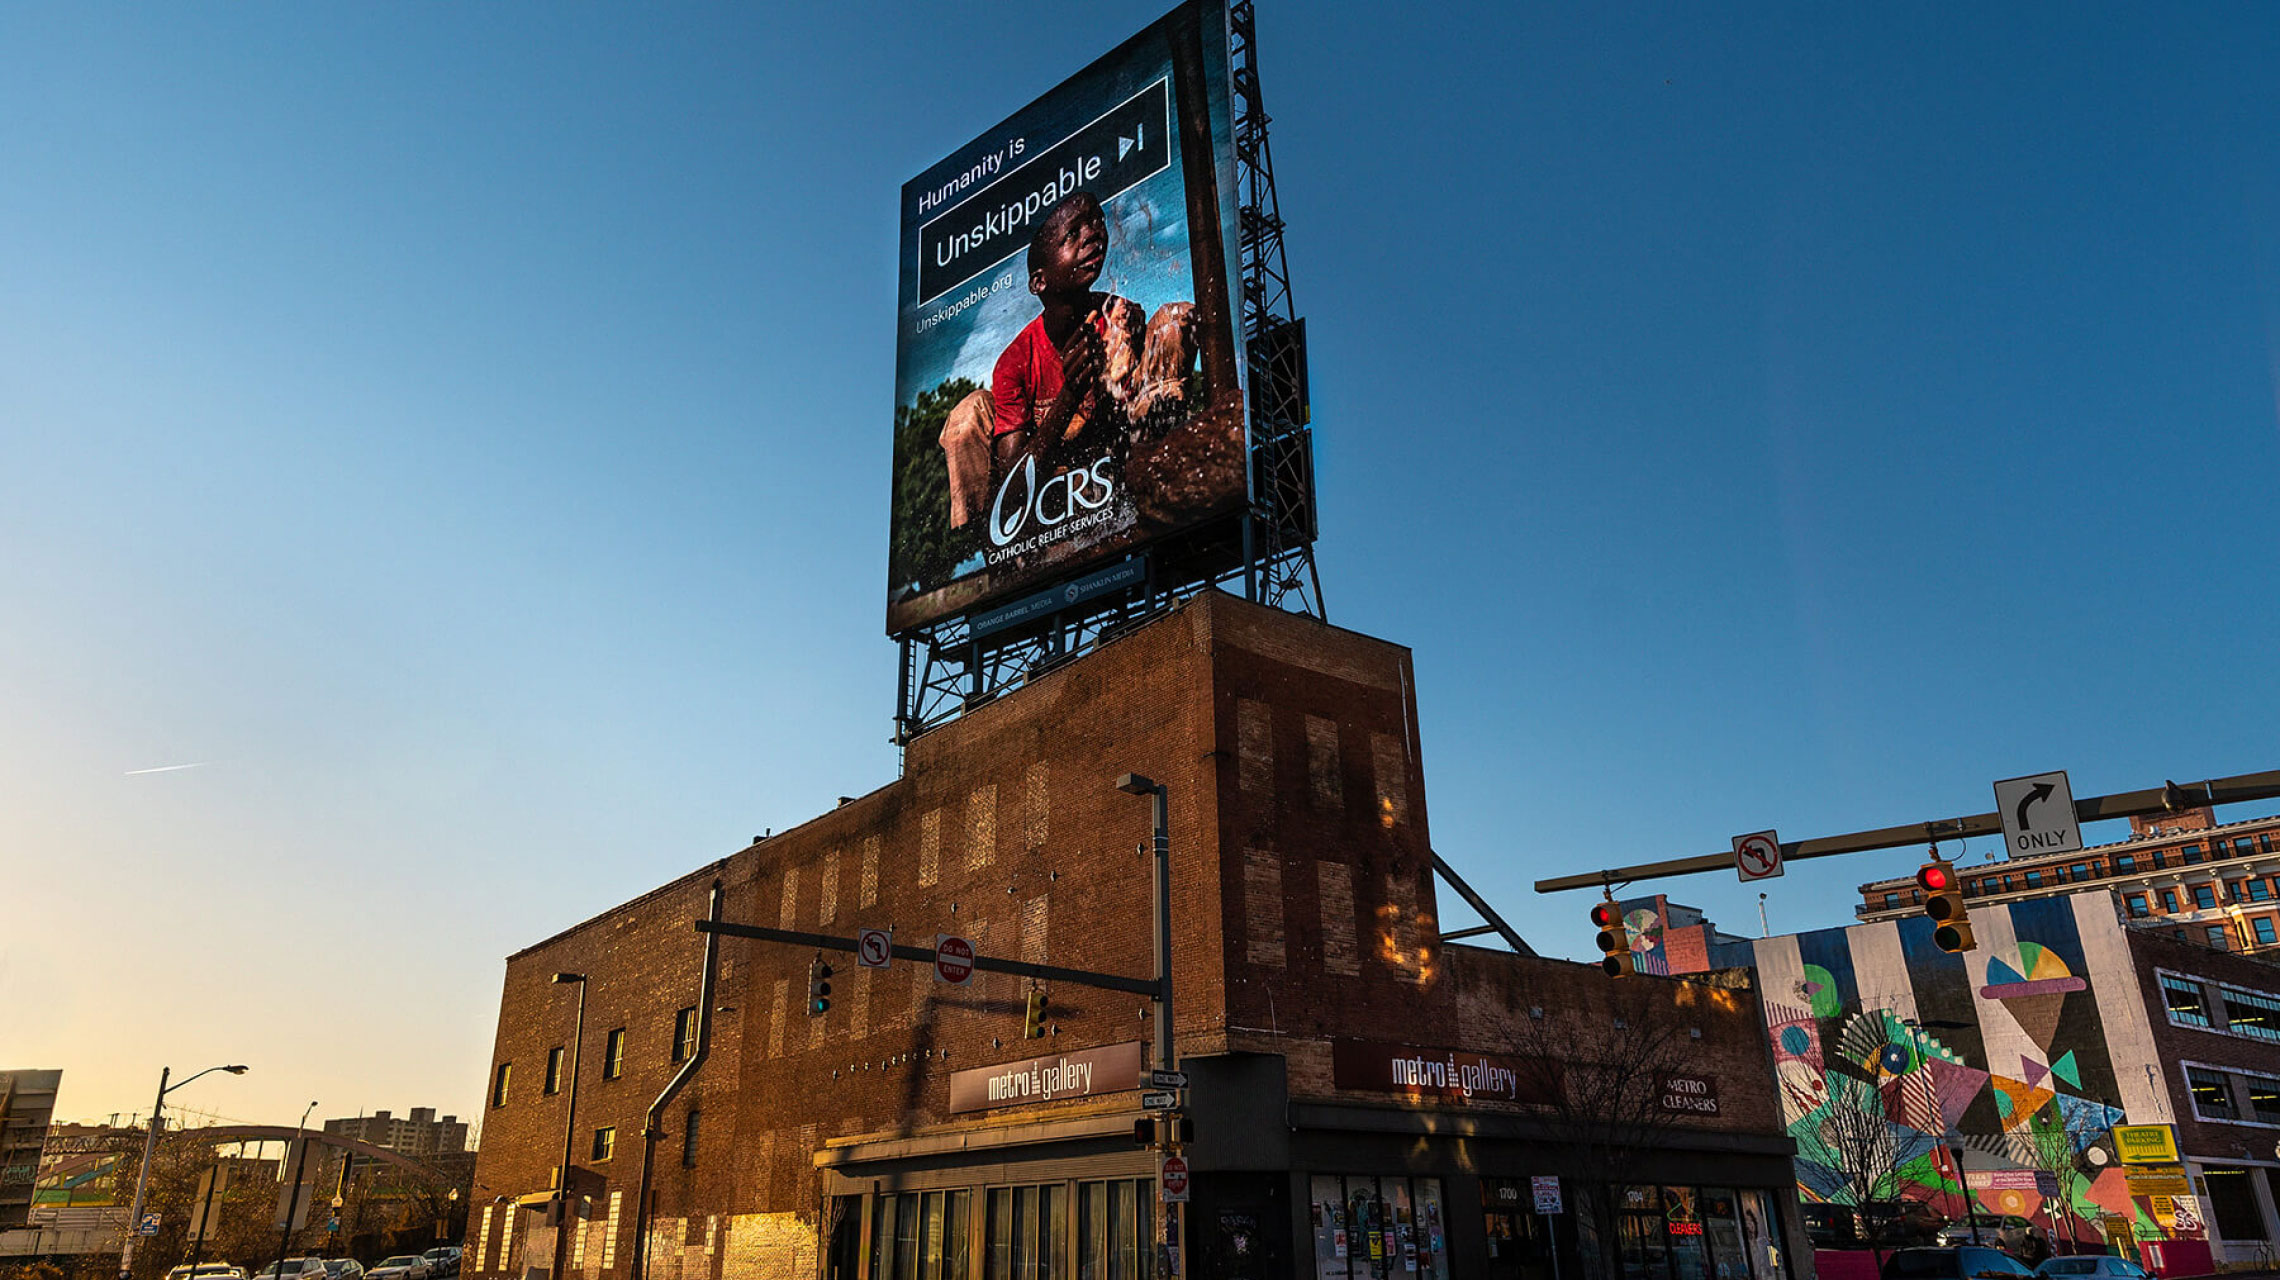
819	988
1943	902
1614	939
1033	1021
1144	1130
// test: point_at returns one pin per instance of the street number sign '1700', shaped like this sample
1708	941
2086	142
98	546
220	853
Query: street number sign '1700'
1757	856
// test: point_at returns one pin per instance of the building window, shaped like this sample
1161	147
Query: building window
605	1142
2265	935
554	1070
2264	842
689	1140
2263	1097
2210	1096
613	1056
2232	1203
2251	1013
2169	900
2187	1005
2204	896
1116	1228
684	1035
499	1084
2154	859
2258	890
2034	879
2081	870
1989	885
2233	890
921	1235
2217	939
2241	847
2191	854
1892	900
2124	863
2136	903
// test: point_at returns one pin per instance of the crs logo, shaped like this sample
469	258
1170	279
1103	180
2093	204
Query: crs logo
1051	503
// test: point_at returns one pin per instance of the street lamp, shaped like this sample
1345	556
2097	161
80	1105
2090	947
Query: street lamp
1167	1125
293	1192
569	1122
150	1146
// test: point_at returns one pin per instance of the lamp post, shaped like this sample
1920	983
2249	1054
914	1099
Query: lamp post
569	1125
150	1146
293	1190
1167	1125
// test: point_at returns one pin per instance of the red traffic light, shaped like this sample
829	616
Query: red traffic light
1606	915
1935	878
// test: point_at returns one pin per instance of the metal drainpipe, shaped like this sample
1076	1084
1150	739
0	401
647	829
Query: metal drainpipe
650	1133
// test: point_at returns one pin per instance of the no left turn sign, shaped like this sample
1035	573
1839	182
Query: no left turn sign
873	948
1757	856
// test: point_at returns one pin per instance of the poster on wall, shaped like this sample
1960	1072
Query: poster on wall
1068	364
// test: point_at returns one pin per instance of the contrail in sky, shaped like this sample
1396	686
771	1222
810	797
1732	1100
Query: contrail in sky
169	768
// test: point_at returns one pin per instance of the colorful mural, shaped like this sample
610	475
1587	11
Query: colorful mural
1891	1056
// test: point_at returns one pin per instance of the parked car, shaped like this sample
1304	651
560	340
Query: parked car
1832	1226
344	1269
1964	1262
441	1261
404	1266
208	1271
2099	1265
293	1269
1901	1222
2007	1231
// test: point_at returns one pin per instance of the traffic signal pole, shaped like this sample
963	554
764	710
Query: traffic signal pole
2170	797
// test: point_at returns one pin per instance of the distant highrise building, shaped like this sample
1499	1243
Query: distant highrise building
419	1134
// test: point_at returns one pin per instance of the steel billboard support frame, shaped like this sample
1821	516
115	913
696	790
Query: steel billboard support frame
945	668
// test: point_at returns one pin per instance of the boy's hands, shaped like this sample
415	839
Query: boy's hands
1081	362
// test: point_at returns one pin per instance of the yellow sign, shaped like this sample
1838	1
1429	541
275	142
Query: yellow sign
2159	1184
2146	1143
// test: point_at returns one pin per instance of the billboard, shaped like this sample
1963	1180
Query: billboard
1068	363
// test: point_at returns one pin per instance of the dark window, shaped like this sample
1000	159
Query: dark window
689	1140
2204	896
2232	1203
2188	1006
2241	847
2265	935
554	1070
2258	890
2169	900
1024	1232
923	1235
2210	1096
2136	903
499	1084
1892	900
684	1035
2124	863
2264	843
1116	1231
2233	890
2192	854
2006	884
2251	1013
1989	885
613	1057
2034	879
2215	934
2154	859
2263	1097
2081	870
605	1142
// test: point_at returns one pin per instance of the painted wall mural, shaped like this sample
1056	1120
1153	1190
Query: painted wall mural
1891	1054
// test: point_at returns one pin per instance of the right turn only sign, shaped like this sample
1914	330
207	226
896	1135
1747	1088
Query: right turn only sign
2037	812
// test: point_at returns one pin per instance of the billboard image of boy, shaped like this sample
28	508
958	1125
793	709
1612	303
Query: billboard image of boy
1069	379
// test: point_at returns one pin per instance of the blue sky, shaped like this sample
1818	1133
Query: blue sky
463	430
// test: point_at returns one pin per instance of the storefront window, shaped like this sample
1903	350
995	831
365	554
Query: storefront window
1115	1229
1028	1228
921	1236
1722	1233
1369	1228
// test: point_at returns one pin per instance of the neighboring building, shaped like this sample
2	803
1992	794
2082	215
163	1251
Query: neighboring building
75	1198
2183	874
418	1134
2063	1022
27	1104
1368	1100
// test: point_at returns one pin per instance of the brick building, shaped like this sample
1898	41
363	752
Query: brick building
2181	874
1368	1100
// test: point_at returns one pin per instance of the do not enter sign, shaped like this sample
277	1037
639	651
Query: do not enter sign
1174	1179
953	959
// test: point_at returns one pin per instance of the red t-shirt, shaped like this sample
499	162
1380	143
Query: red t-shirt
1028	376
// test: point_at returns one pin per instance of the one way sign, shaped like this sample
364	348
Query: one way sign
2038	814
